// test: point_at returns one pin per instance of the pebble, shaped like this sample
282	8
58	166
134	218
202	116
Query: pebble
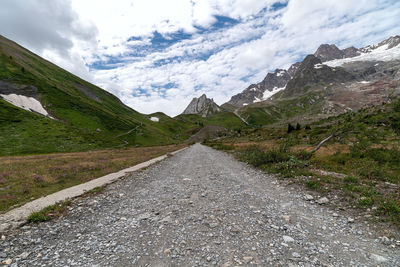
323	200
308	197
296	255
378	258
7	261
247	259
385	240
287	239
24	255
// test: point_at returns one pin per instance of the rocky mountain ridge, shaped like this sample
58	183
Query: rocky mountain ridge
202	106
325	65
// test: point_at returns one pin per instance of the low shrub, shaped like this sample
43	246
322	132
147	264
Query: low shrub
258	157
313	185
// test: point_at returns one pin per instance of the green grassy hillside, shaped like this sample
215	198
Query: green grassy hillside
87	117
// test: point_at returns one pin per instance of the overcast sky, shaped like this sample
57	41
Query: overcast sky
156	55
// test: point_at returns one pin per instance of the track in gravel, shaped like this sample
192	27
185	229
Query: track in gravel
199	207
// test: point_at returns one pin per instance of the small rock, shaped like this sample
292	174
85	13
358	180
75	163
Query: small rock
167	251
378	258
144	216
3	237
287	239
274	227
227	264
323	200
7	261
308	197
296	255
24	255
3	255
5	226
350	220
385	240
286	217
247	259
213	225
235	229
335	215
165	219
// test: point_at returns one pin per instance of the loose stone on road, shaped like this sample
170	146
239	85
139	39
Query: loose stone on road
199	207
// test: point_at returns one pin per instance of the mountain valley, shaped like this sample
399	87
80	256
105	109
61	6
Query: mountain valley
333	111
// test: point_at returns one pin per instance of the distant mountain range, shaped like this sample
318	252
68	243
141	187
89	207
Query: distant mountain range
324	59
330	81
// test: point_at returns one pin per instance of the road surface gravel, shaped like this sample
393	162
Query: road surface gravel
200	207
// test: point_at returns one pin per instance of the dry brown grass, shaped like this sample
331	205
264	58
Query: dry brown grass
272	144
23	178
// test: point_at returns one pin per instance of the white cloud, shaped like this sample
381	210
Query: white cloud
215	62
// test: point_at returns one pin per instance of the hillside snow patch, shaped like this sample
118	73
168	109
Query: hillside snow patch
378	54
27	103
268	94
155	119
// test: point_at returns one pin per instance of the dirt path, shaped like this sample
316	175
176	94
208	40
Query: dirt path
200	207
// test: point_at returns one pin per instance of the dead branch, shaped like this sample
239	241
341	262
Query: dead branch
322	142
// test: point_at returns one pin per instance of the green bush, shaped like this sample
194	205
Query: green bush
313	185
366	201
41	216
350	180
257	157
391	207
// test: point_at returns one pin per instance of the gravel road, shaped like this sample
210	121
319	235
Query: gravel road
199	207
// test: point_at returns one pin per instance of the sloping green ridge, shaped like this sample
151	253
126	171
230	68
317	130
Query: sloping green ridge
88	117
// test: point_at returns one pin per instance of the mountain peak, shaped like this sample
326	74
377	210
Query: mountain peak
327	52
202	106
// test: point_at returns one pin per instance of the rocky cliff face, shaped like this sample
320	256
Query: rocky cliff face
202	106
271	84
312	71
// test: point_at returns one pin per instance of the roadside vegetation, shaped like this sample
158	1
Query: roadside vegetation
59	209
24	178
360	163
49	212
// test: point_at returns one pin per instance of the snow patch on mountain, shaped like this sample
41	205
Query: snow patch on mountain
318	66
381	53
282	72
155	119
27	103
267	94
